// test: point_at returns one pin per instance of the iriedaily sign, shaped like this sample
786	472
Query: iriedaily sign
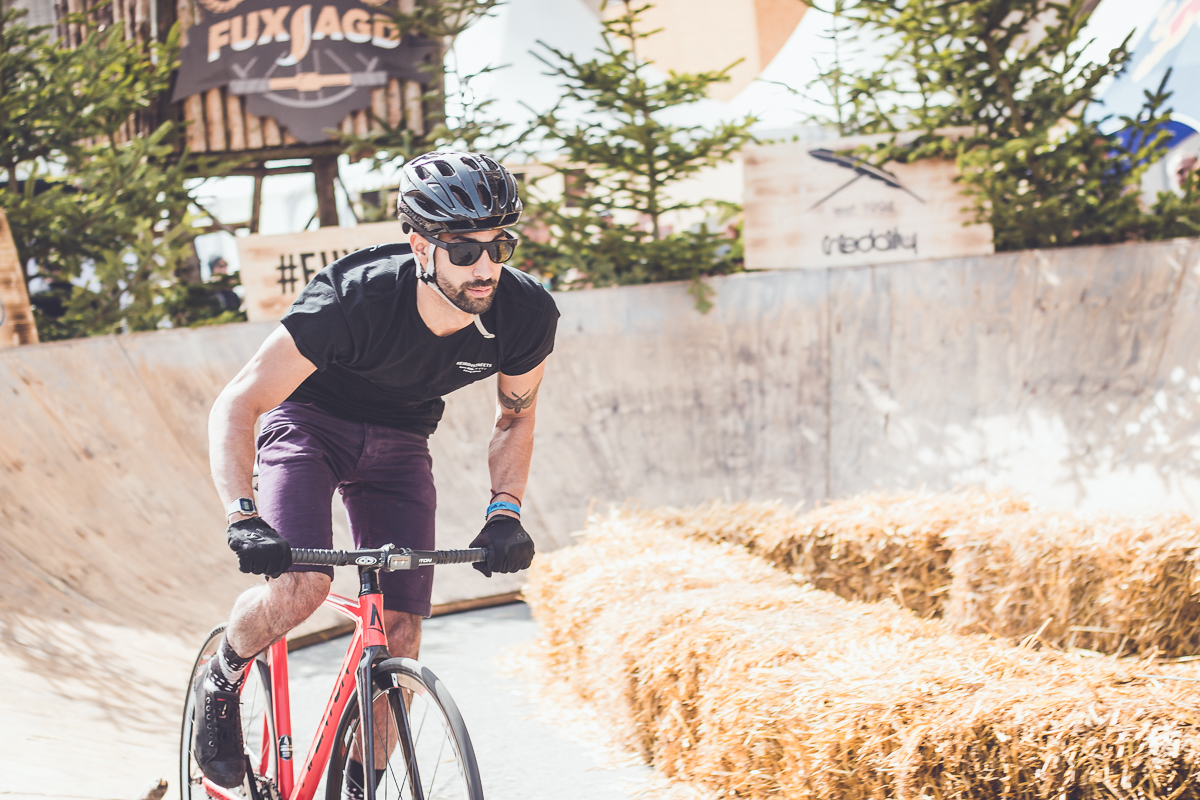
307	65
813	205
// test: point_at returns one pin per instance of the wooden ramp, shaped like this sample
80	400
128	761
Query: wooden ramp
1070	376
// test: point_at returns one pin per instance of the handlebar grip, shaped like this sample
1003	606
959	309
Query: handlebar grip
320	558
469	556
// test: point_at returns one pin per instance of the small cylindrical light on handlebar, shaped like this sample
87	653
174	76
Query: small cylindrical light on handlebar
398	561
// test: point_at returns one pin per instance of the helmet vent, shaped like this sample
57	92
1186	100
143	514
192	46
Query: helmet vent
441	192
461	196
427	206
484	194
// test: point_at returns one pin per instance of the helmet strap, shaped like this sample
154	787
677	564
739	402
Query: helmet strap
429	278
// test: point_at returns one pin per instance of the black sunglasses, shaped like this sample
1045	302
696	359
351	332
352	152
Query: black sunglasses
464	254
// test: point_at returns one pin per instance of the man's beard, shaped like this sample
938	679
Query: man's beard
465	302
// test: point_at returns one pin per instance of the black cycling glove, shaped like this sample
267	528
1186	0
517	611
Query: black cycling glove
259	548
509	547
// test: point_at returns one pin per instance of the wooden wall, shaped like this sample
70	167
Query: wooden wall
217	121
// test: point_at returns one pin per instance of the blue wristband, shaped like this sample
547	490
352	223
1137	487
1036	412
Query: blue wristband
502	505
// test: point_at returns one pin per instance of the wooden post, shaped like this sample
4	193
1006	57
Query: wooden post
413	113
215	112
17	326
325	171
254	132
236	122
395	103
256	208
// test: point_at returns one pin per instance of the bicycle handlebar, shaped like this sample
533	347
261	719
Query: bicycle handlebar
388	559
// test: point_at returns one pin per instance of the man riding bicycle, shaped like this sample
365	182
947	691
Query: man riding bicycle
351	385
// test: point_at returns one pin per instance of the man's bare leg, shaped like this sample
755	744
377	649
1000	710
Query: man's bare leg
263	615
403	633
404	639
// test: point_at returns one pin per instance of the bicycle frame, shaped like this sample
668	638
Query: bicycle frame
368	646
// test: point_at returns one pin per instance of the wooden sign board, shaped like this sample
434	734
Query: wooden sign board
808	205
275	268
16	318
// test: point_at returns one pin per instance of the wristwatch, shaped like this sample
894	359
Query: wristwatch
243	505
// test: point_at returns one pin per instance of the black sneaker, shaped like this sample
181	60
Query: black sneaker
217	733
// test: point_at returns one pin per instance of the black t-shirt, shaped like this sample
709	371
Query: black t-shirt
378	362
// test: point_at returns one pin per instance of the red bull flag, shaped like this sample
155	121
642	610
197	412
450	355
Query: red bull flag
1172	41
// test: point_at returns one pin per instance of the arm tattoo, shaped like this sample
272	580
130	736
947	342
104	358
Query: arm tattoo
517	403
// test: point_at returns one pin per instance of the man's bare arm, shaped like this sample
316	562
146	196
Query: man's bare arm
511	448
266	381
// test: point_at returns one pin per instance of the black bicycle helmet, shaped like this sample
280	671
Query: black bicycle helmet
451	192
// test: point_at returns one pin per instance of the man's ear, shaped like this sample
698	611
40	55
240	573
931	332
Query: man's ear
420	247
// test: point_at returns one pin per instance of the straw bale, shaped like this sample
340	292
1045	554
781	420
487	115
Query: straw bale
868	547
731	674
986	562
1110	584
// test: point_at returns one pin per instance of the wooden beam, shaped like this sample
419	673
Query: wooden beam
263	172
271	135
236	122
395	103
17	326
256	203
413	113
325	172
379	110
254	132
193	115
215	120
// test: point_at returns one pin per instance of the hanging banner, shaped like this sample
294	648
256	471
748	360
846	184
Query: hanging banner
1172	41
275	268
306	65
812	205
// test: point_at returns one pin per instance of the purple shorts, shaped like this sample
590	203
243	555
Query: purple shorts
385	477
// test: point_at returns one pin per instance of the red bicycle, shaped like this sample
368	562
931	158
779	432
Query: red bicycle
390	714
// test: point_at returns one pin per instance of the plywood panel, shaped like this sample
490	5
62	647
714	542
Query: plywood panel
804	211
16	317
276	268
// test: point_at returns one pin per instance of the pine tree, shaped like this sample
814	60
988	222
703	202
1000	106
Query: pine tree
623	160
100	218
455	119
1011	76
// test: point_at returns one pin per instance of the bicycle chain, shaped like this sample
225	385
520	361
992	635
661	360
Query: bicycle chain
267	788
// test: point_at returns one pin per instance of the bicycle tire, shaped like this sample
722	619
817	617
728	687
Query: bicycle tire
431	704
258	726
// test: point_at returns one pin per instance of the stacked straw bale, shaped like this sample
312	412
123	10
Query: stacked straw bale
728	672
1109	584
867	548
985	562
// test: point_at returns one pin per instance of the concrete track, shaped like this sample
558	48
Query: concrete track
1071	376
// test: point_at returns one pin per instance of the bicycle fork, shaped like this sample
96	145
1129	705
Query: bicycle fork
374	651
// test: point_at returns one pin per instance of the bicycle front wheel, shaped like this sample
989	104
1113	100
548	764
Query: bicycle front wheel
421	745
258	730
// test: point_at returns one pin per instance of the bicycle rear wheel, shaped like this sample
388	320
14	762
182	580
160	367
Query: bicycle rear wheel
258	730
440	760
